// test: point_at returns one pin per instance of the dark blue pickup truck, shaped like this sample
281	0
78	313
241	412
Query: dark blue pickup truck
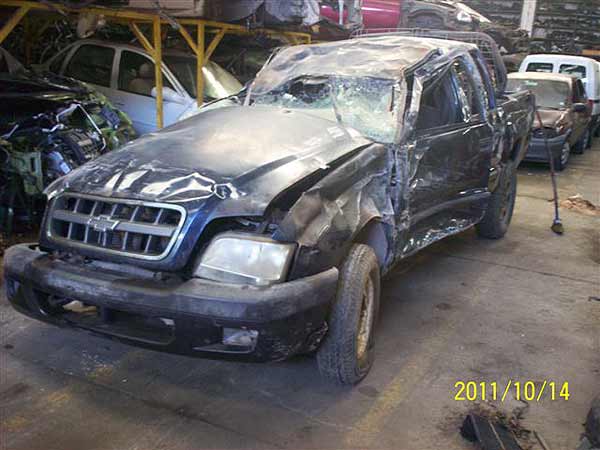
261	229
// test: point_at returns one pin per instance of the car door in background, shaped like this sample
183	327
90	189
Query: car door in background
92	64
135	83
580	119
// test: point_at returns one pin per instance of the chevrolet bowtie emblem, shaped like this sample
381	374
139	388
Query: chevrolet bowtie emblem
102	224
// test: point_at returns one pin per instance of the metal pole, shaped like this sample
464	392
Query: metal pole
157	37
200	65
557	225
13	22
528	15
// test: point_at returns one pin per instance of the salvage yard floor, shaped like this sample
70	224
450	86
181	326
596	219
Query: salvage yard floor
522	308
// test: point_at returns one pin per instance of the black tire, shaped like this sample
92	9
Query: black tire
582	143
346	355
562	160
427	21
498	215
592	424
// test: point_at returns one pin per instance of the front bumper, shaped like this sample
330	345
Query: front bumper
189	317
537	148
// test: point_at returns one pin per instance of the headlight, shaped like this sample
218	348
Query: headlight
463	16
561	128
245	259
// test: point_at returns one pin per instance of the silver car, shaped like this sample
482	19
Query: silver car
125	74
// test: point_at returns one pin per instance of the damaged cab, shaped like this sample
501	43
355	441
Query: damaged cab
261	230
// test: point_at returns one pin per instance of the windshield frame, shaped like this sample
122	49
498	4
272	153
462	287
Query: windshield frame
210	68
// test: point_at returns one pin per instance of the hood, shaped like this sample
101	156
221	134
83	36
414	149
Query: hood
242	156
551	118
32	84
23	98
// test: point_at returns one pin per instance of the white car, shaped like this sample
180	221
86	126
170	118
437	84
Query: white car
125	74
580	66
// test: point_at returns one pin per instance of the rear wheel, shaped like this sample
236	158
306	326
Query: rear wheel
498	215
429	21
346	355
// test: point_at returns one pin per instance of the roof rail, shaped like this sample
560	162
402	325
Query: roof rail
484	42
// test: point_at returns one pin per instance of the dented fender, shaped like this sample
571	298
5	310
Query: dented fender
327	218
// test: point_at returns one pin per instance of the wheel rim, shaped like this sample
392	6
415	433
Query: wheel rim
365	323
564	154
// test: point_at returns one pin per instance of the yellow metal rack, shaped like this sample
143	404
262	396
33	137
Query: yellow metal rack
134	18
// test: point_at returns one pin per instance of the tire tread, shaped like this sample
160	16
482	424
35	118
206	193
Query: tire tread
336	358
491	226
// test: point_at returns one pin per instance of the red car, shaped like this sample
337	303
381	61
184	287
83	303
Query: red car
435	14
376	13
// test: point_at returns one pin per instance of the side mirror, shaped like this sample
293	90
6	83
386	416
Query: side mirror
169	95
580	108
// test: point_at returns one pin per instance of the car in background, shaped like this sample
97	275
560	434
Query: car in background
563	110
411	13
587	69
126	75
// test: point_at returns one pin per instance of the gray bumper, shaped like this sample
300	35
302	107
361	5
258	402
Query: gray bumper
537	148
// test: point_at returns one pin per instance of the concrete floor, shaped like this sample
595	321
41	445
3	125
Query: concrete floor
465	309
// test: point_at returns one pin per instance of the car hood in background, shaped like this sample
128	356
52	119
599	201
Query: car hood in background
31	83
551	118
243	156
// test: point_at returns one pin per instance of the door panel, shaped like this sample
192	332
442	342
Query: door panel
92	64
135	81
580	120
450	161
451	166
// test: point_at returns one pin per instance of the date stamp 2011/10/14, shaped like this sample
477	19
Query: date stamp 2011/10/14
537	391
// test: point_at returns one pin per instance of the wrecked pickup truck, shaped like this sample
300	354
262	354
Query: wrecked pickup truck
261	230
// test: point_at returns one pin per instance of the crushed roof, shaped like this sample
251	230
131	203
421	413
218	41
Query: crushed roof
384	56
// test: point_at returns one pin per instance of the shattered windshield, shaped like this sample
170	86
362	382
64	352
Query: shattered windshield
363	103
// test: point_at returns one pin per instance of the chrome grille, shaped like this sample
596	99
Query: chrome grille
127	227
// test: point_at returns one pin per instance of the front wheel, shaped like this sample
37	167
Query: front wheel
562	159
498	215
346	355
583	143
